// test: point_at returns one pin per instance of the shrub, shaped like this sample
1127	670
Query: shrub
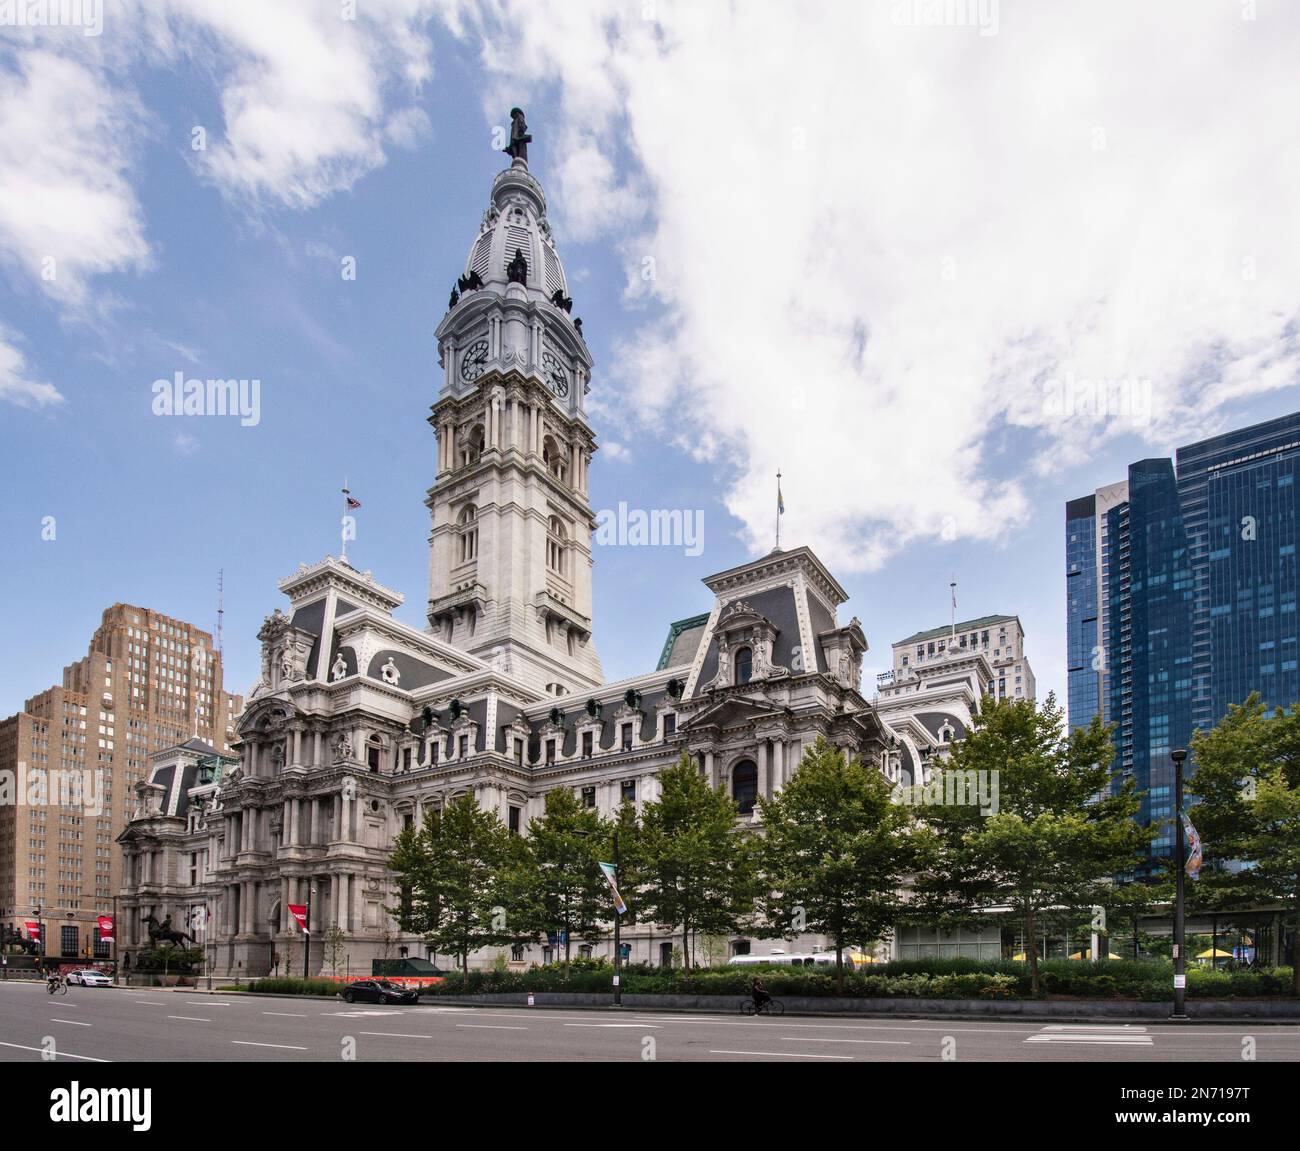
286	985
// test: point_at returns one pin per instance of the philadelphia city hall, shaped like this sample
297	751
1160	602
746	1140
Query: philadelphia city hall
359	723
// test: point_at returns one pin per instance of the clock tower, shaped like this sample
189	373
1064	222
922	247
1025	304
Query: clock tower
510	547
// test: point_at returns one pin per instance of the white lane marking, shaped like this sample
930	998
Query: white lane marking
782	1054
288	1014
492	1026
74	1022
1118	1035
150	1002
636	1026
57	1054
189	1018
1122	1027
395	1035
280	1046
819	1039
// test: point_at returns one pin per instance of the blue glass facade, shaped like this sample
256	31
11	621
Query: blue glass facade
1196	571
1083	645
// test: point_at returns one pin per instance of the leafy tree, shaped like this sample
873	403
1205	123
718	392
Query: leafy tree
558	885
335	944
690	869
1247	778
1063	831
453	875
836	851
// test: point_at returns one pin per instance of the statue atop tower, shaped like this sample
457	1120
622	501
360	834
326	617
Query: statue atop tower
519	138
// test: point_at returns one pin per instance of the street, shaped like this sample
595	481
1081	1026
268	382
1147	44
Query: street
150	1025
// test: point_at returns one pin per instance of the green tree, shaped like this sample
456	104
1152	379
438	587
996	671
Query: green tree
836	851
453	877
1063	830
1247	778
558	885
688	865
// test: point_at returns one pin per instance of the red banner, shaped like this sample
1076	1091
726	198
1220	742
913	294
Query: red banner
299	912
106	929
33	930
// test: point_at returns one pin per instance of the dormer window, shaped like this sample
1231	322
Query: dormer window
744	664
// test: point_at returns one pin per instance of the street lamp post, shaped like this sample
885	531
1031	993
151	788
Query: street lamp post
1180	865
618	938
306	933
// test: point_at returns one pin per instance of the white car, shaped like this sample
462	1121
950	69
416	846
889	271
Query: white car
89	978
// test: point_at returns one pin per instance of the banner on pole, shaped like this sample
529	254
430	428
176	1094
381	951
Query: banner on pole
619	905
106	929
299	912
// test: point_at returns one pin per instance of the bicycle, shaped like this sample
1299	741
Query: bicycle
60	985
769	1007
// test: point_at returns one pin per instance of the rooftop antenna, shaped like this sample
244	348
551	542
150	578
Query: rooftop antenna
221	606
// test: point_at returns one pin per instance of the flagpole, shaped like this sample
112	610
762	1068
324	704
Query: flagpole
1178	755
344	526
953	634
778	511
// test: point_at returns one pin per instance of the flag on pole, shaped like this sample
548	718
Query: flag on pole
299	912
780	500
1195	852
353	504
619	905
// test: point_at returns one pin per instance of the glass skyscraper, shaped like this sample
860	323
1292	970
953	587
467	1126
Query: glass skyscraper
1181	597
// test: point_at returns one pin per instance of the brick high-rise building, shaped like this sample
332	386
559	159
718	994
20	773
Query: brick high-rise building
70	759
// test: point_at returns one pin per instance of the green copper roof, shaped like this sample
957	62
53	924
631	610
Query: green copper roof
675	630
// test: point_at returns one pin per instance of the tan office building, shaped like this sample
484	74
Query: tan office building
69	762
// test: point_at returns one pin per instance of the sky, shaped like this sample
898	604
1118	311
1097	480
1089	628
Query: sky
944	266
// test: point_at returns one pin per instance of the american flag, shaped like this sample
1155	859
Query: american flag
353	504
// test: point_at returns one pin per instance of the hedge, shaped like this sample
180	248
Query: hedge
1150	980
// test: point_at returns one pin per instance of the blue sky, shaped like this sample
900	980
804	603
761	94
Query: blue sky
884	256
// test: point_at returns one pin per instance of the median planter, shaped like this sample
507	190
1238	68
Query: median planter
1281	1011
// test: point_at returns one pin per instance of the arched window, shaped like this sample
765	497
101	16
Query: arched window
468	534
557	544
744	785
553	457
744	664
472	445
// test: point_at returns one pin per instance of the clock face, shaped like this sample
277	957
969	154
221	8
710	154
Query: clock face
556	376
474	361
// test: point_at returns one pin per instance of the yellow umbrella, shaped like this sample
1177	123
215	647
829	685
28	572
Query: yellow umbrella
1211	953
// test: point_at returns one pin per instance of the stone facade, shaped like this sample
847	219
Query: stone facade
359	723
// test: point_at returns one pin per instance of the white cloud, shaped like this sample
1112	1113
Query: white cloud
302	90
875	246
16	383
67	209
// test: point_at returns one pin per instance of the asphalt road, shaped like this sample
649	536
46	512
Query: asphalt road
140	1025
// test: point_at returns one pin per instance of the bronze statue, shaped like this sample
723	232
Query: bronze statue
519	138
517	269
160	933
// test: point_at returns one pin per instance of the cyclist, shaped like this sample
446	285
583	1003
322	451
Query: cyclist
760	994
52	980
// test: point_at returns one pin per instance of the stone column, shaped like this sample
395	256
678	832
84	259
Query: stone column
334	897
344	905
779	773
764	769
708	770
294	805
